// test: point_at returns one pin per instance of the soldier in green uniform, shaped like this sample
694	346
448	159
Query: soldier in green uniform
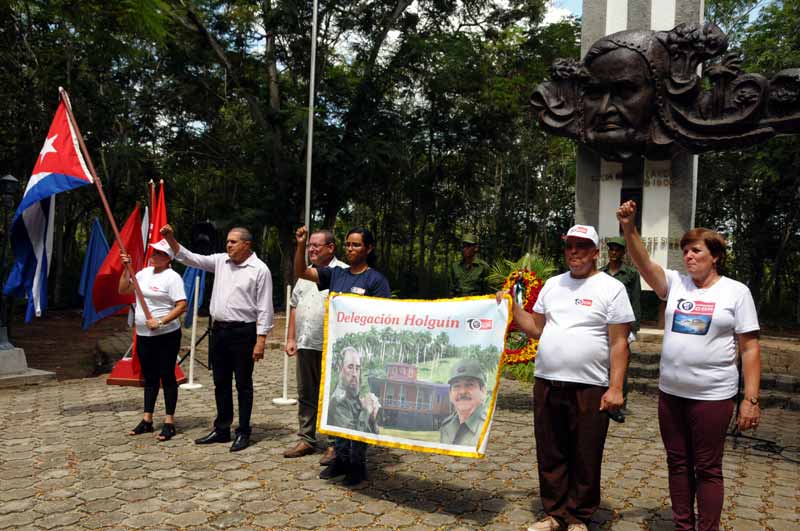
468	277
351	409
467	394
348	408
625	274
629	277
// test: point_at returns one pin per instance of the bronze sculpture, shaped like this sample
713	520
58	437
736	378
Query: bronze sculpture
638	93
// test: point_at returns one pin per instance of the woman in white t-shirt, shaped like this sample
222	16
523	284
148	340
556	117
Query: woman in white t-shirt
158	339
707	314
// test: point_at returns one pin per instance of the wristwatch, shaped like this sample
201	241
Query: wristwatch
161	325
753	400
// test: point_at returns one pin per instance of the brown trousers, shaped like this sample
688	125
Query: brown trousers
570	435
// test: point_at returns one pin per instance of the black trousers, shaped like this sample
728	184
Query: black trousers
350	453
232	355
158	356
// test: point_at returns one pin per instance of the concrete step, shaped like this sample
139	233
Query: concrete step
643	370
644	357
644	346
770	398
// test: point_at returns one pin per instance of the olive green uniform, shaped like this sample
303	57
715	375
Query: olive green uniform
469	279
629	277
453	431
348	412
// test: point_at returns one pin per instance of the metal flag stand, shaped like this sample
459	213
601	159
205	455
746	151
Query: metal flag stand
191	383
285	400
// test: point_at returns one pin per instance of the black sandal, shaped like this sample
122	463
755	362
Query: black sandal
142	427
167	432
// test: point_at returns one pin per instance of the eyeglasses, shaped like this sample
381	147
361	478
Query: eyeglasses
317	245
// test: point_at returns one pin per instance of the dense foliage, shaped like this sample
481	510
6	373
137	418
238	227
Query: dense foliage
422	126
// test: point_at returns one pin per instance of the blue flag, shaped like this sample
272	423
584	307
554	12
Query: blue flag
188	284
96	252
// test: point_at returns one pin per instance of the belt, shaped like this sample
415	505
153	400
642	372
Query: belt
564	385
223	325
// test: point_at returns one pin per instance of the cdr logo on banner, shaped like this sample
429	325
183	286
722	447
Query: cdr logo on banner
480	324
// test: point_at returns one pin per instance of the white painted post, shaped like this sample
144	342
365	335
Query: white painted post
190	384
285	400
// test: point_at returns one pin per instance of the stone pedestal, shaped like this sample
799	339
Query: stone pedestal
14	369
665	190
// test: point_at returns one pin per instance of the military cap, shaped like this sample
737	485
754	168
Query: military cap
617	240
469	238
467	369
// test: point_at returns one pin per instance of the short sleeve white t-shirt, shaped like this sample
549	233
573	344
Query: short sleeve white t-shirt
698	358
574	344
161	291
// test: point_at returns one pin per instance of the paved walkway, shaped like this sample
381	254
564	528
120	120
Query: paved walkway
67	463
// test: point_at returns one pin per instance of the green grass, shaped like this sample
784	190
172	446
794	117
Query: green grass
440	375
414	435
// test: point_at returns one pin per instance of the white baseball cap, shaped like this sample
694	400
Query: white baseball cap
585	232
163	246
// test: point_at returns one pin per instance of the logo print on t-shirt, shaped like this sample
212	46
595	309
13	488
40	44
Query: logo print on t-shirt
356	289
583	302
692	317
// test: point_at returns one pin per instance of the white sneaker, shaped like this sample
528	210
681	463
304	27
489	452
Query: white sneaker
577	527
548	523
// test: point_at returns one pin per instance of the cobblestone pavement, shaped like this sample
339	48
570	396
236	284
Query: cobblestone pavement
67	463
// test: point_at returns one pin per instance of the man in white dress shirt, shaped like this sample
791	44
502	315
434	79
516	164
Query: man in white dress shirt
241	312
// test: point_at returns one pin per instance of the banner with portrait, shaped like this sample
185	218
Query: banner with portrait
418	375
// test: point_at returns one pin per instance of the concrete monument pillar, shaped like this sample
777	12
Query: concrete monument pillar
665	190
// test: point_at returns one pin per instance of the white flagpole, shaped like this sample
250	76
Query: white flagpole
190	384
310	142
285	400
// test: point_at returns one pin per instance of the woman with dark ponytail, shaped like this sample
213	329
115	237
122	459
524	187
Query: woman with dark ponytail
350	457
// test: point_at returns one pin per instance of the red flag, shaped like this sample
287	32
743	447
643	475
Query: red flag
158	218
106	284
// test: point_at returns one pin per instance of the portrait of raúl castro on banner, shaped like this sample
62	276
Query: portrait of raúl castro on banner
418	375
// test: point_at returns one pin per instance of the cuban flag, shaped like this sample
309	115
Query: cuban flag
59	167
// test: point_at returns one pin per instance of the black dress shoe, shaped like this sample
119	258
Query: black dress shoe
355	475
333	471
241	442
214	437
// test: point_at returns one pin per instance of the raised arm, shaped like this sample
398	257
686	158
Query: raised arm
652	272
185	256
301	270
125	283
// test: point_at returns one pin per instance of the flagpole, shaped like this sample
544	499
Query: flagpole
132	274
285	400
310	142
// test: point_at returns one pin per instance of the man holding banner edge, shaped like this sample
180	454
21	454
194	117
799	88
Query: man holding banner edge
581	319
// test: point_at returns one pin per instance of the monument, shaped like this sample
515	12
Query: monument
656	87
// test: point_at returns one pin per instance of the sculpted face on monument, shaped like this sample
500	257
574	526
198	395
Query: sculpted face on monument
618	101
638	93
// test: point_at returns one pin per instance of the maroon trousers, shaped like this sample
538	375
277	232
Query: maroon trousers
570	434
693	432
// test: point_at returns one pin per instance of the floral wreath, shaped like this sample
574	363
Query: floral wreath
519	348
